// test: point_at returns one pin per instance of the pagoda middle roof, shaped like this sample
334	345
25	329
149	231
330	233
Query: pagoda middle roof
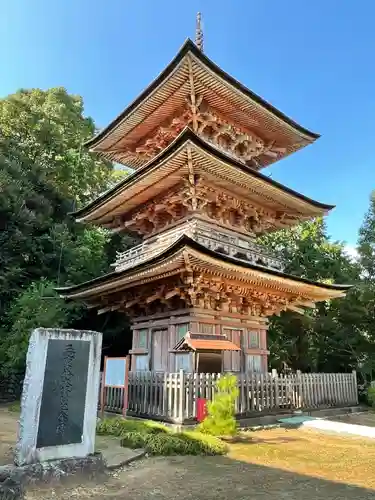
168	93
171	260
168	168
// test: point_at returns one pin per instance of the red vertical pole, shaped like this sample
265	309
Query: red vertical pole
102	389
126	386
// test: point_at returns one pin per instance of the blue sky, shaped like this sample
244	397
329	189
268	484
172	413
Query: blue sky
312	60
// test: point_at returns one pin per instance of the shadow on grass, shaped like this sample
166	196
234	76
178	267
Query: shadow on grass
209	478
221	477
249	439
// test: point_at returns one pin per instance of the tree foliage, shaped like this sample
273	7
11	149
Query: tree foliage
37	306
220	420
336	335
44	174
47	128
366	242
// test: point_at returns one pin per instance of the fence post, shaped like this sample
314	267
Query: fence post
298	391
102	394
274	388
355	387
181	405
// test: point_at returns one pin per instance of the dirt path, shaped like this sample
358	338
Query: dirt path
8	434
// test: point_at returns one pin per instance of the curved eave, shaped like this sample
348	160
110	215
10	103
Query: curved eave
187	47
188	135
84	290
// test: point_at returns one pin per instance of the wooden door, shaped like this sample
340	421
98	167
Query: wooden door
210	362
159	351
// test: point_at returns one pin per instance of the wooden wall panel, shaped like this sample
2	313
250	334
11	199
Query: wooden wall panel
236	355
227	359
263	339
159	350
171	343
232	359
197	321
135	339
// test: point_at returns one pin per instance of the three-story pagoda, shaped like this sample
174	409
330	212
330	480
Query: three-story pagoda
199	289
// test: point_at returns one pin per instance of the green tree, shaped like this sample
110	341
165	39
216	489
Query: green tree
366	242
366	251
331	336
220	420
37	306
309	253
44	173
29	207
47	128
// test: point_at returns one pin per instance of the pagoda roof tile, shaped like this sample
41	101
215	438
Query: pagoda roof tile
190	48
187	135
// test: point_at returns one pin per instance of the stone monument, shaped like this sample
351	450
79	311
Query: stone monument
60	396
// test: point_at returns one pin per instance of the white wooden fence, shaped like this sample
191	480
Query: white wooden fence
173	396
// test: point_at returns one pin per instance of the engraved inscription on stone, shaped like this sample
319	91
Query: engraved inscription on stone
64	393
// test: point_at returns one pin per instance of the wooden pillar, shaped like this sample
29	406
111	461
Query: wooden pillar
263	345
171	344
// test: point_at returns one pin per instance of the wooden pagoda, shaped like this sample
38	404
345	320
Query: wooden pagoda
199	289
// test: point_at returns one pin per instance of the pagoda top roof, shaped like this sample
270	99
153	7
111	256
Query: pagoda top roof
164	170
168	93
170	261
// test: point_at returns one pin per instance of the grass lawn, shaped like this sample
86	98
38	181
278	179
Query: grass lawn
344	459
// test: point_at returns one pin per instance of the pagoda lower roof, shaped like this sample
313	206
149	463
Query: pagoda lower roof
201	342
187	253
168	168
192	71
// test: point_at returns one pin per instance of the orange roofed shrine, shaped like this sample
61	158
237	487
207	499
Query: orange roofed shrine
199	289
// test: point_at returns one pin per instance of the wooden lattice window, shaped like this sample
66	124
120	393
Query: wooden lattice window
206	328
181	330
183	362
254	340
141	363
254	363
143	338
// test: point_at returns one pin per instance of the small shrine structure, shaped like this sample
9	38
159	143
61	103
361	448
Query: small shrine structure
199	289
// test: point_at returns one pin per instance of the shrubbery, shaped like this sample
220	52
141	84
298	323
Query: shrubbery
15	407
157	439
371	396
221	419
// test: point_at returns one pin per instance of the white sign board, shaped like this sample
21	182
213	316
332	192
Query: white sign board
115	369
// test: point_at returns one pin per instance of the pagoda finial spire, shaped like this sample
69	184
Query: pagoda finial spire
199	32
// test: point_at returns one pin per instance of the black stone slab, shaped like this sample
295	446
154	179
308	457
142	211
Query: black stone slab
64	393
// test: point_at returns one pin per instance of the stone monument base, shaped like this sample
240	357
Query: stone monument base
14	478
